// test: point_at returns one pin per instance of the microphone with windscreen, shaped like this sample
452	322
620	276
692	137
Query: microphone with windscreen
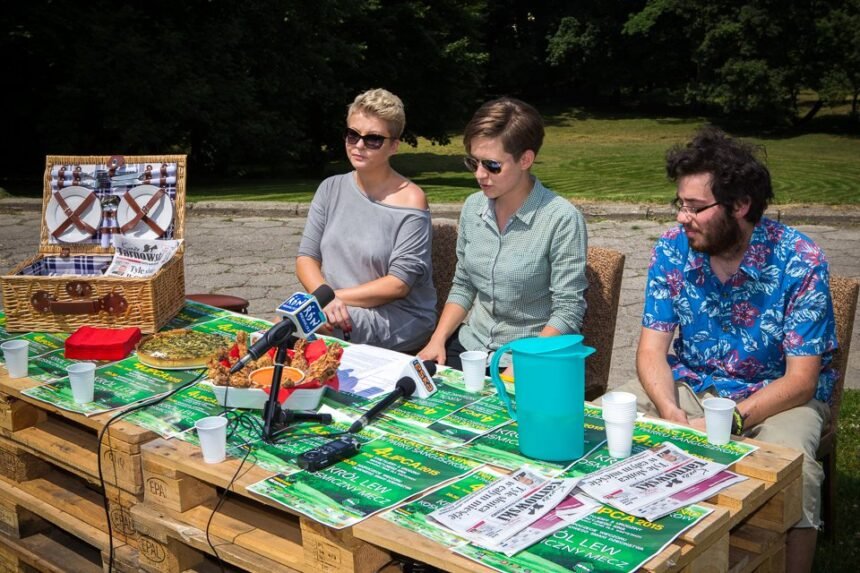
416	380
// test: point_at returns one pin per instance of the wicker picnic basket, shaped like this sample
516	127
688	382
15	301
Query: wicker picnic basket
86	200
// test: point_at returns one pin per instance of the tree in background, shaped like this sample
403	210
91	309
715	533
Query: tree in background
259	82
264	84
839	34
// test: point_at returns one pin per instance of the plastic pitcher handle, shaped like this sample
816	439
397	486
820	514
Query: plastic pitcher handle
497	381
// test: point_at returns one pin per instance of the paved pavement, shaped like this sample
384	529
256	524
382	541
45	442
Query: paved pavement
248	249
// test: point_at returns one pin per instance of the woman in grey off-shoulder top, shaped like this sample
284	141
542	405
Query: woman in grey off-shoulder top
368	236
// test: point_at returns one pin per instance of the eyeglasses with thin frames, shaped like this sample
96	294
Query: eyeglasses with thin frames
371	140
690	212
494	167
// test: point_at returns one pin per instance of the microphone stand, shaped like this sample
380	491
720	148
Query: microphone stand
271	410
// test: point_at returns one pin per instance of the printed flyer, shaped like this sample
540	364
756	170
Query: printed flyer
385	472
50	367
501	515
178	413
41	342
117	385
474	420
413	515
635	483
650	432
607	541
424	412
296	439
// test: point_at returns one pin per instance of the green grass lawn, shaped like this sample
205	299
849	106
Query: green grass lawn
843	553
597	158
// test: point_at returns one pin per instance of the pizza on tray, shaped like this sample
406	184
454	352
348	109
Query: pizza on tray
180	348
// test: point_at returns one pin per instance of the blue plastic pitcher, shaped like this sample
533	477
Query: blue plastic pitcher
549	375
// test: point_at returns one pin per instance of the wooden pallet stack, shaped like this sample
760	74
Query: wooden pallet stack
254	534
51	488
745	532
161	497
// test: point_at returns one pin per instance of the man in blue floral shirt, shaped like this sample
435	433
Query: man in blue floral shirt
750	299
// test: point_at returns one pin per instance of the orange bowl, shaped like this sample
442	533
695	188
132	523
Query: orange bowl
262	377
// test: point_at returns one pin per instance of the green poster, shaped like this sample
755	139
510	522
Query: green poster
383	473
116	385
501	447
50	367
41	342
425	411
178	413
647	433
232	324
281	456
193	313
607	541
413	515
476	419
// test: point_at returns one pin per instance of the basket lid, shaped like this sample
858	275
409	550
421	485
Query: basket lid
88	199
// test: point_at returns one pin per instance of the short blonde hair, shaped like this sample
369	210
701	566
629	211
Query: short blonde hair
383	104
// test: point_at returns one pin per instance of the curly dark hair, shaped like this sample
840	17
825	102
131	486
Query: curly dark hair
736	171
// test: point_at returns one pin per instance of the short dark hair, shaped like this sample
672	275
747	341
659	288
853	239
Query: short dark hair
518	124
736	171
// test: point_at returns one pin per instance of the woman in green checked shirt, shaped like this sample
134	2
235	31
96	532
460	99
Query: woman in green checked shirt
521	248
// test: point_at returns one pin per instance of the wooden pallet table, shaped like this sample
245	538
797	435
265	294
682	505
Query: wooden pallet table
49	472
745	532
249	532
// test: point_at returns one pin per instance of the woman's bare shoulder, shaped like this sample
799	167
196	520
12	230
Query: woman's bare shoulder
409	195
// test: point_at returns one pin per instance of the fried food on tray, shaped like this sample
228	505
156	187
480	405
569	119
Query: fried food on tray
326	365
321	369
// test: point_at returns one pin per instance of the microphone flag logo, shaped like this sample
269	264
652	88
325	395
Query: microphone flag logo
306	312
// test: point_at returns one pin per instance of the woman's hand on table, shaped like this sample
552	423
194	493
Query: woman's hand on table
433	351
697	423
337	315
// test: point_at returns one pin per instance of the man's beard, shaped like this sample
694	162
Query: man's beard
722	238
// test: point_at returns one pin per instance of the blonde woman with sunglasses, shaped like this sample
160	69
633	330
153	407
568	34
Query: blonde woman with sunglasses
521	248
368	236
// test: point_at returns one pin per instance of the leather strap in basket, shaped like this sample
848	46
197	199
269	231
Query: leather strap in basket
142	213
74	217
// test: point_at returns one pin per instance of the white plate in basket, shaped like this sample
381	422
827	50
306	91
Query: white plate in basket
73	196
161	213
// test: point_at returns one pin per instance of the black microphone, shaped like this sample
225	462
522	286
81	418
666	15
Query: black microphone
302	313
404	387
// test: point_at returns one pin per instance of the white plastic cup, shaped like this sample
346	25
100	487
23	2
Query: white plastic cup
619	437
474	369
17	355
619	415
619	406
212	432
82	379
718	419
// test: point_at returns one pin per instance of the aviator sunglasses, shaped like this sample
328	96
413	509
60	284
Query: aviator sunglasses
371	140
494	167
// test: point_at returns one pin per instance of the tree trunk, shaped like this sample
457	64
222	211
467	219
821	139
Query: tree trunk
816	107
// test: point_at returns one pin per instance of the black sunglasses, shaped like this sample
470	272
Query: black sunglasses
494	167
371	140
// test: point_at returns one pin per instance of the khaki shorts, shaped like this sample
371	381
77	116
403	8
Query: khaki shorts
798	428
